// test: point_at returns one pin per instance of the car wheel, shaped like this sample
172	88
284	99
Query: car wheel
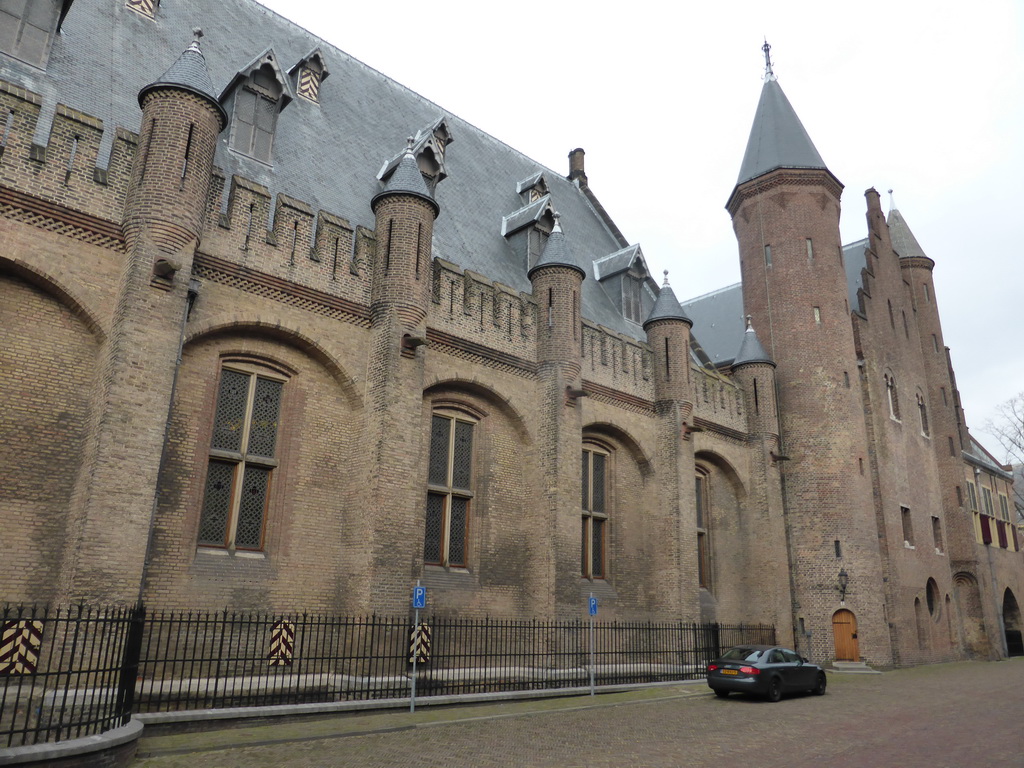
774	689
721	694
819	688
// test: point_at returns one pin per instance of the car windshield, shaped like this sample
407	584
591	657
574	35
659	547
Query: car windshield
742	654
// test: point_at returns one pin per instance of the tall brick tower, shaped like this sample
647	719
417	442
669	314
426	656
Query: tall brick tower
943	415
164	212
668	333
405	211
785	212
556	279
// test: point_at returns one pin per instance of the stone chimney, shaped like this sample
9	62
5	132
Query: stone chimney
576	172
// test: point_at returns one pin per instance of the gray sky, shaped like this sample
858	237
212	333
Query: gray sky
925	98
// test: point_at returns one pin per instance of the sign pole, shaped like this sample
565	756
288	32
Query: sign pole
593	612
418	599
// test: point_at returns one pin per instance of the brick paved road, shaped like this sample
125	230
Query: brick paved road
968	715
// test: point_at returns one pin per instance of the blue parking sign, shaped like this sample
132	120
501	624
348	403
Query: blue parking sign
593	606
419	597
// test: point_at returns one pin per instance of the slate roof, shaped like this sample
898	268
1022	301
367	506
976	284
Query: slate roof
718	322
903	240
751	350
777	137
854	260
328	154
189	73
667	307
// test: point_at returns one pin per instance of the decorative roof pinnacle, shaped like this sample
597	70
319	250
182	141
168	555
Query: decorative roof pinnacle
750	325
197	34
768	73
892	202
557	227
666	278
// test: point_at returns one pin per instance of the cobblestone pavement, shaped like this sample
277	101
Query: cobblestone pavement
966	715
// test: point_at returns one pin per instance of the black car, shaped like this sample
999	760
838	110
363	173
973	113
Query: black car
765	670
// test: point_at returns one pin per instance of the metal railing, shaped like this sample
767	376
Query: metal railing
66	672
72	672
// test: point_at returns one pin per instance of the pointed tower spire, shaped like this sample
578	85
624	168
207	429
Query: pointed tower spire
556	251
407	179
189	73
667	306
751	350
777	138
903	240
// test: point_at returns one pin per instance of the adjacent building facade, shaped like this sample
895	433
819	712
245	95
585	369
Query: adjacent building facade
260	350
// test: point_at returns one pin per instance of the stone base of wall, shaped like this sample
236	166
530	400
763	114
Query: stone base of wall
113	749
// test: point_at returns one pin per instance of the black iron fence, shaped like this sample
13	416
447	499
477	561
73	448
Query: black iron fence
92	669
66	672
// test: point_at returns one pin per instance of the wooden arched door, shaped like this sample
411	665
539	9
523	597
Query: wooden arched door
844	632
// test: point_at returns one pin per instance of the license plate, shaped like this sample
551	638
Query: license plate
729	672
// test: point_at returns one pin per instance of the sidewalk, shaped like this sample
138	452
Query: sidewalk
395	720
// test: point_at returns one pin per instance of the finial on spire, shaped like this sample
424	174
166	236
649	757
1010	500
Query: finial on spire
197	34
892	203
750	324
666	278
556	216
768	73
409	141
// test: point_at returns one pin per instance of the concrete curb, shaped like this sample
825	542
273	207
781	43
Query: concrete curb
73	748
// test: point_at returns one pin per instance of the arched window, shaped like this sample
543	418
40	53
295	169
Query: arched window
243	453
449	489
893	396
594	503
703	507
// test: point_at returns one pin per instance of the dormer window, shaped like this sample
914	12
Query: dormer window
256	106
254	97
532	188
145	8
307	76
428	147
27	28
629	269
632	290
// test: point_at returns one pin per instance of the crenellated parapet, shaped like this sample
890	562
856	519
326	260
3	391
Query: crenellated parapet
615	360
718	399
466	304
287	238
68	169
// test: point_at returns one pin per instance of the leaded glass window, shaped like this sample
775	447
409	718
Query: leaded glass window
702	502
242	459
449	492
594	495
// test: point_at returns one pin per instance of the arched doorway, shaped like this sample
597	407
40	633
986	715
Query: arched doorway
1012	624
968	601
844	634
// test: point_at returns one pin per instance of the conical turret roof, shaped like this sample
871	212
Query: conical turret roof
777	138
751	350
407	180
667	306
903	240
556	252
189	73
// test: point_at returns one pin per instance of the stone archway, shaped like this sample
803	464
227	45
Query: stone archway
972	621
1012	625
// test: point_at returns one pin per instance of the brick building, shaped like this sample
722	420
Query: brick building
262	351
